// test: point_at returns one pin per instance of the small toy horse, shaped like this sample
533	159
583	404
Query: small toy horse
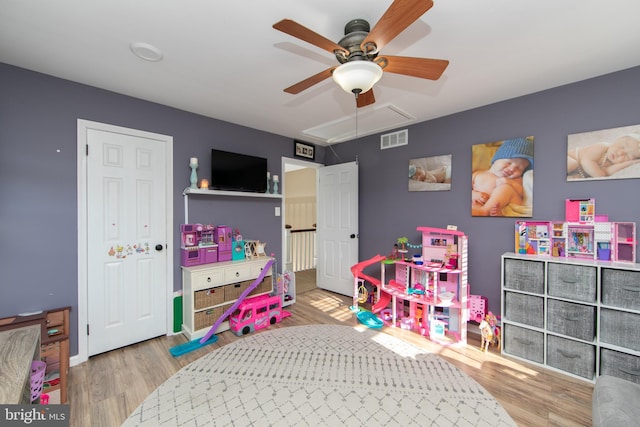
489	331
486	331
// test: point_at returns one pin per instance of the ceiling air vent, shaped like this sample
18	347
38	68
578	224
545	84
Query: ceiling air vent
394	139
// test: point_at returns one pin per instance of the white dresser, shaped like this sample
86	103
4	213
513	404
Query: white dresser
210	289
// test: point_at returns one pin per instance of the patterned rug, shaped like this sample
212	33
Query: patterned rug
319	375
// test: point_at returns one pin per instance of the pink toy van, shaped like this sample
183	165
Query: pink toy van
256	313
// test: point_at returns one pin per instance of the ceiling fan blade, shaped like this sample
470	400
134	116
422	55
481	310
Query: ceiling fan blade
424	68
365	99
397	17
308	82
301	32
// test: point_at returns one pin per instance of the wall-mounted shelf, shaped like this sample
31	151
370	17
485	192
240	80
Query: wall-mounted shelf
202	192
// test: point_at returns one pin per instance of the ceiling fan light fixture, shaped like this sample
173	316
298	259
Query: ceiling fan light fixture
357	76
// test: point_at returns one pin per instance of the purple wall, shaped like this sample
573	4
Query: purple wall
38	212
38	208
388	210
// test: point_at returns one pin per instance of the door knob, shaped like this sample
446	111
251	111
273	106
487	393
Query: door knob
353	236
158	247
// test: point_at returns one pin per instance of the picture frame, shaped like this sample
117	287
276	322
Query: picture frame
494	194
604	154
430	173
306	151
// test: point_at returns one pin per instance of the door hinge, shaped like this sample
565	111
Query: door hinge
87	329
87	149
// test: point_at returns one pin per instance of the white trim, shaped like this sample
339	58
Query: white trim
83	127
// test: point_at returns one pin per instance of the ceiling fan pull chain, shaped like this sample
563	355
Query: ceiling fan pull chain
356	93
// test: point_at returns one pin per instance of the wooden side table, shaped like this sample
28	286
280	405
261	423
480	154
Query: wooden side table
18	348
53	328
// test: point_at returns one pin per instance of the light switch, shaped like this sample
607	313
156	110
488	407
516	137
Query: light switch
277	210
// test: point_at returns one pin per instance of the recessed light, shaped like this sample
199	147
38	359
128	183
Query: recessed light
146	51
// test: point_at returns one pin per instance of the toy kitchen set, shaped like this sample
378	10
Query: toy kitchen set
205	244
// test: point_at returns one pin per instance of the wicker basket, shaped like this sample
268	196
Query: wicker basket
208	297
206	318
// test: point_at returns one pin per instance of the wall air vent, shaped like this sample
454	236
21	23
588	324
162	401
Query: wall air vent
394	139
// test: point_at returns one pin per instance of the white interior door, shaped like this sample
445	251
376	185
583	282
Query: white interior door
126	238
337	228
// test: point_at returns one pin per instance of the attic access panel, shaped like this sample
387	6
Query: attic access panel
370	121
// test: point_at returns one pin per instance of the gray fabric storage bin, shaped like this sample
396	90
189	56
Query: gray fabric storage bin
620	365
522	308
525	343
575	320
571	356
576	282
620	328
522	275
621	288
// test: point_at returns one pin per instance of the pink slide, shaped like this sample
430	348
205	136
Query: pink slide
382	303
356	270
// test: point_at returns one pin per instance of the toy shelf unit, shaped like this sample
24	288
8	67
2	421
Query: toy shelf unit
533	237
624	243
581	241
580	317
430	296
582	211
210	289
605	241
583	235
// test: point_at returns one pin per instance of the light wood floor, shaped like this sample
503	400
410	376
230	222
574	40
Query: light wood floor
107	388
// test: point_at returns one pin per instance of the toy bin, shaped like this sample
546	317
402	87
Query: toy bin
37	378
604	254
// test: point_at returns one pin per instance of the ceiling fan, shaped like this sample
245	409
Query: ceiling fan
358	51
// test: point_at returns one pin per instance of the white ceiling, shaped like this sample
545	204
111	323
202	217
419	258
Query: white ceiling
223	59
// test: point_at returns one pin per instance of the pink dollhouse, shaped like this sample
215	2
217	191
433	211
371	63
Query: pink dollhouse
429	296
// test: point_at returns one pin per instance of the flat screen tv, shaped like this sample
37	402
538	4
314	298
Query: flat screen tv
238	172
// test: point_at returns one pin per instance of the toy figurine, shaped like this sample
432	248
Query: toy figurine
395	253
490	332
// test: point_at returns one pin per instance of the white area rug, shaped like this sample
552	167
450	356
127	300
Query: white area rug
320	375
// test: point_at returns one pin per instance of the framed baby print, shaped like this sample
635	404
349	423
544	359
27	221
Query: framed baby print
430	173
502	178
604	154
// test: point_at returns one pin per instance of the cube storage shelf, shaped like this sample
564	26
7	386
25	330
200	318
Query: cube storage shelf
576	316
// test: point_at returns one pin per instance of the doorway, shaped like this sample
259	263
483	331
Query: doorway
125	217
336	212
299	214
